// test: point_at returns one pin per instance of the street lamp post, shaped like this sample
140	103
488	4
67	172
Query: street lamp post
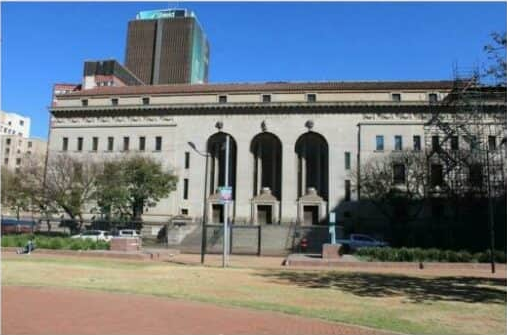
203	239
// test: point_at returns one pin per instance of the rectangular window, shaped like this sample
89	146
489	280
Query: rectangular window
266	98
222	99
146	101
347	160
95	143
8	141
7	150
126	142
21	122
79	144
30	144
437	176
158	143
6	161
347	190
398	174
398	145
65	144
110	143
18	161
475	176
474	143
492	142
396	97
417	143
380	143
454	143
114	102
184	211
84	102
311	97
187	160
435	142
142	143
185	188
433	97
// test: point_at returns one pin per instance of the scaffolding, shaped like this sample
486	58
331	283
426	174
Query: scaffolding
465	138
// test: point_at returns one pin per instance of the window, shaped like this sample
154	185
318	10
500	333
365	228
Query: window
8	141
146	101
222	99
398	174
6	161
7	150
437	176
266	98
185	188
380	143
29	144
10	123
474	144
114	102
29	152
158	143
21	122
454	143
18	151
492	142
347	190
84	102
79	144
126	142
65	144
95	143
435	142
142	143
417	143
347	160
396	97
187	160
433	97
110	143
475	177
311	97
18	161
184	211
398	142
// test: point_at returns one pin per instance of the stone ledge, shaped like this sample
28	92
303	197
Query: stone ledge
93	253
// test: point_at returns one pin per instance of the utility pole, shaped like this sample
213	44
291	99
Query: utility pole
226	205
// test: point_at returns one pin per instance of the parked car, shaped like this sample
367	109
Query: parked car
128	233
356	241
96	235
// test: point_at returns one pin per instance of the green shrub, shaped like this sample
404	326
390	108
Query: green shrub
48	242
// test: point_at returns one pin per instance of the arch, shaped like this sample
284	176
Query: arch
216	150
312	153
266	149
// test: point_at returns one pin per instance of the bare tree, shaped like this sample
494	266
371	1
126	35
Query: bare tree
396	185
70	184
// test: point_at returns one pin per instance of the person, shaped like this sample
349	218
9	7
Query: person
29	247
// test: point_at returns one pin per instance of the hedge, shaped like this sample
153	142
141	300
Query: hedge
427	255
45	242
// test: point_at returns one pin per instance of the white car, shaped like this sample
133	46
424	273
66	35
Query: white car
128	233
96	235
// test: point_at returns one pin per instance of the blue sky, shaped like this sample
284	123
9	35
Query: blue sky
45	43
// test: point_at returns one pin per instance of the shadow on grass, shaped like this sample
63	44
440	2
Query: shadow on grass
416	289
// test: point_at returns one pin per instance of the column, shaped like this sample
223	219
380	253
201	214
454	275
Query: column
289	175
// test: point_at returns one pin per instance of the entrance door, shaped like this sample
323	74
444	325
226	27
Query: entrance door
218	213
264	214
311	215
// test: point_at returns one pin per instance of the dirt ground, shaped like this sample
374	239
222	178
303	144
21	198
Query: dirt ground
28	310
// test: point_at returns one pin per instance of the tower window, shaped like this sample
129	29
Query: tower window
311	97
95	144
379	143
398	144
114	102
84	102
142	143
146	101
65	144
492	142
110	143
126	142
435	142
433	97
347	160
347	190
266	98
222	99
454	143
158	143
79	144
396	97
187	160
185	189
417	143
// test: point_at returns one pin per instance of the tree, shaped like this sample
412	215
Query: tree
496	52
70	184
14	194
129	185
396	184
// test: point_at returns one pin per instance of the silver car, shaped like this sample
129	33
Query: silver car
96	235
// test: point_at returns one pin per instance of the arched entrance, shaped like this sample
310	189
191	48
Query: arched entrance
313	177
216	168
266	149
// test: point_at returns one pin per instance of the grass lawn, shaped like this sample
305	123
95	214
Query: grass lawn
408	304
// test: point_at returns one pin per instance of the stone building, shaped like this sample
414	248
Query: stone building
294	146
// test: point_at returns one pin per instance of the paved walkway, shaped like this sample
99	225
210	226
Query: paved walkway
28	310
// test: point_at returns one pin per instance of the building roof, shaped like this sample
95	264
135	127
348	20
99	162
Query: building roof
268	87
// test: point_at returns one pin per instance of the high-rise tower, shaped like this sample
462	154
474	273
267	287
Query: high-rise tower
167	47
